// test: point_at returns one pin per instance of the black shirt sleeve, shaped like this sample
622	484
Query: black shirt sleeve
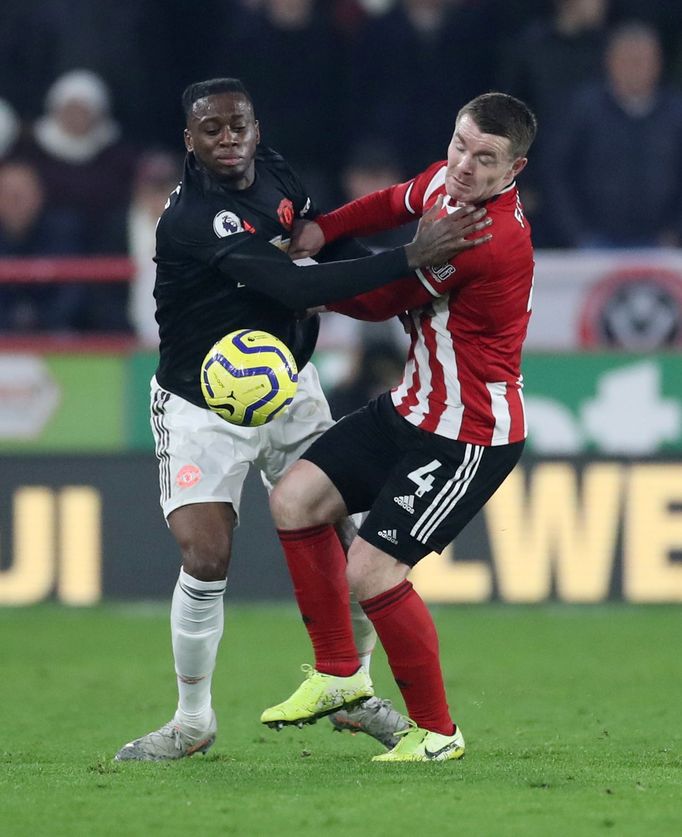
342	249
264	268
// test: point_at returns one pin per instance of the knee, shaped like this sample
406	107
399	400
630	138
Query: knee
203	531
290	505
206	559
305	497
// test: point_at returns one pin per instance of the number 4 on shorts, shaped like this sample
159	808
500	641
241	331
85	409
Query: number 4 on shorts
423	477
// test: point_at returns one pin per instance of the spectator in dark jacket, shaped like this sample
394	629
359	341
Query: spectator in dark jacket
29	229
614	168
416	65
552	55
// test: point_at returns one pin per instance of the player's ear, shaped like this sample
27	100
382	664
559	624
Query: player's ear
257	132
188	140
519	165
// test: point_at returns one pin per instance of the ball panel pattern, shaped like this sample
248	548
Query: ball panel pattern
249	377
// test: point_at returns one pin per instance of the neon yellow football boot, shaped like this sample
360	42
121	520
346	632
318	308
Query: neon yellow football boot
417	744
319	695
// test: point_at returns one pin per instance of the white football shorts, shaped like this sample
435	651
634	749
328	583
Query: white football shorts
204	459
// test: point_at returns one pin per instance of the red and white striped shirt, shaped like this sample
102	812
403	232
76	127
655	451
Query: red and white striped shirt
468	317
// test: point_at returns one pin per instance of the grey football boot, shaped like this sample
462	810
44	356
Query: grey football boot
169	742
375	717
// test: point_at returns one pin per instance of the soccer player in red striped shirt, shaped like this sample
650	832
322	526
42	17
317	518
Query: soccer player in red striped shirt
424	458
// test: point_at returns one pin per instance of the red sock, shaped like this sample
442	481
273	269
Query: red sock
409	637
317	565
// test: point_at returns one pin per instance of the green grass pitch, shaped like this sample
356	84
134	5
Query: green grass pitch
571	715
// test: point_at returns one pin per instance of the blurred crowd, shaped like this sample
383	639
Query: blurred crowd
357	94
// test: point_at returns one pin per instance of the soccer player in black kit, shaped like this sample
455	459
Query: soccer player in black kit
222	265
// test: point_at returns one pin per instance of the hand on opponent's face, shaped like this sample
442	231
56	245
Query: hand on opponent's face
440	239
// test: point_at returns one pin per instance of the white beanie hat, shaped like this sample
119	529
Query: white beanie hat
80	85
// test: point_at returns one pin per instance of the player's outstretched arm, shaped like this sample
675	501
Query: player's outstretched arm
265	269
449	238
438	240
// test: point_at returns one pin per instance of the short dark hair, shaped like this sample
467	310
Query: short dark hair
504	116
202	89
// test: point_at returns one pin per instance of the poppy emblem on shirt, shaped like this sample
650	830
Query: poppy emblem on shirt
285	213
226	223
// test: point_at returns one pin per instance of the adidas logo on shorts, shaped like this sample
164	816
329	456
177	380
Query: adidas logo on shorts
405	501
389	535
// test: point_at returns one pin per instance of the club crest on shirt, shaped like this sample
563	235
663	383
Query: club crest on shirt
285	213
226	223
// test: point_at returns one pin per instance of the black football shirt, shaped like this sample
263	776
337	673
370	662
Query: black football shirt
222	266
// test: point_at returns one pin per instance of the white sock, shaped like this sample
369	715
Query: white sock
363	632
196	628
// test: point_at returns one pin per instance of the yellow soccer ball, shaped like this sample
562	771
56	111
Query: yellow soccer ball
249	377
